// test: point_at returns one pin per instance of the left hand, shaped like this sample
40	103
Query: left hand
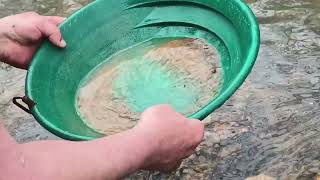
22	34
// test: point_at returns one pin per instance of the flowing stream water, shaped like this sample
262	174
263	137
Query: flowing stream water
270	126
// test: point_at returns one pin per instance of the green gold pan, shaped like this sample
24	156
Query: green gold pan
106	27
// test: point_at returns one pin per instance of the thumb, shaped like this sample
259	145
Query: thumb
52	32
57	20
197	129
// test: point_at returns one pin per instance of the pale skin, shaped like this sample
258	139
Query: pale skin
160	141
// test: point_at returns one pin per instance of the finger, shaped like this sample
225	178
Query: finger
57	20
52	32
17	56
197	128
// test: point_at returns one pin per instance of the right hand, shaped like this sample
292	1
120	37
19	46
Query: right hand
172	137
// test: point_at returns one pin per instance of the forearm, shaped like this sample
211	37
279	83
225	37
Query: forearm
109	158
11	161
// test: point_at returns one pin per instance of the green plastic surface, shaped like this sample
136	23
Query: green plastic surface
105	27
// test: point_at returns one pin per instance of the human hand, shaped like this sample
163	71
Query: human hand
22	34
172	137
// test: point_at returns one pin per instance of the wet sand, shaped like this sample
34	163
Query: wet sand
183	73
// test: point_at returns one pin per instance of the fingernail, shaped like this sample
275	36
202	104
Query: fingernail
63	43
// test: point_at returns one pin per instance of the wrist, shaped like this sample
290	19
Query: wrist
146	145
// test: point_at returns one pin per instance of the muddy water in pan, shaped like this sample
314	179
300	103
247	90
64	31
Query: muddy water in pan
181	72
